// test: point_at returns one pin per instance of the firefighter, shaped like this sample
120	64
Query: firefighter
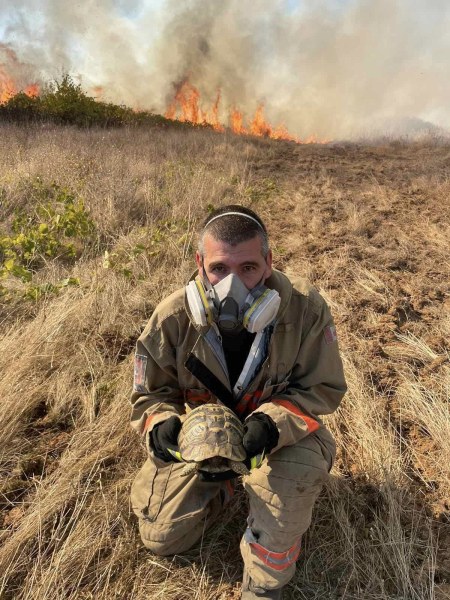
242	334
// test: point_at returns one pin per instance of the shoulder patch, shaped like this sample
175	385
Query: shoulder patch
140	367
330	334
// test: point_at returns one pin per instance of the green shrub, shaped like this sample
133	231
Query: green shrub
65	102
58	228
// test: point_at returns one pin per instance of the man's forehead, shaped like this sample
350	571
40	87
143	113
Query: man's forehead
220	250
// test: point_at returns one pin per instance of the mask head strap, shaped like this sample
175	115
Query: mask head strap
240	214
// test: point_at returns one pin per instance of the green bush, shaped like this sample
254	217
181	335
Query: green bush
59	222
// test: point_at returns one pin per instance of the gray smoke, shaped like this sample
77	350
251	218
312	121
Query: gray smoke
331	68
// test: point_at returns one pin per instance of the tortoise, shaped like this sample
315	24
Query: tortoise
211	440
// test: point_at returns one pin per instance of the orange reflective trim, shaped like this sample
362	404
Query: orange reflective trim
248	403
311	423
148	421
242	404
230	487
279	561
194	396
200	399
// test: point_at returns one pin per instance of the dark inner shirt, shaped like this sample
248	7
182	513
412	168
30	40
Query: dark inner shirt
236	349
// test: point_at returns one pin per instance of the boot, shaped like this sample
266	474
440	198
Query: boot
250	591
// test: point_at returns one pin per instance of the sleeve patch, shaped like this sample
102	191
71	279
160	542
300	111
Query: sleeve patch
330	334
140	367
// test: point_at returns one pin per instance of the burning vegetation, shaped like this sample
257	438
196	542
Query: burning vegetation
73	105
186	107
10	86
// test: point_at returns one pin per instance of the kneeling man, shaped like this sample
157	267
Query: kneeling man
243	335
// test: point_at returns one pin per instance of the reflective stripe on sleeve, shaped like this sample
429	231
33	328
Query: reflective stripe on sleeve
311	423
148	422
248	403
279	561
193	396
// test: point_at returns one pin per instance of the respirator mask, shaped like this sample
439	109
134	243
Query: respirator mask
231	305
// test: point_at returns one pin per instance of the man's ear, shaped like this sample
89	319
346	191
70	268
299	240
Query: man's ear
199	262
268	271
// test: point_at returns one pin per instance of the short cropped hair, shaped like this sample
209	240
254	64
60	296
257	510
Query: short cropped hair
234	228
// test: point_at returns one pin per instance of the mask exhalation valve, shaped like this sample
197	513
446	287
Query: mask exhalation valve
228	319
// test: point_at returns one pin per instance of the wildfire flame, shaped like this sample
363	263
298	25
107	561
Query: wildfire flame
98	91
186	100
185	106
9	86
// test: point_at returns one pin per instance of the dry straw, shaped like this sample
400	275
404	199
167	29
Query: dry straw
346	217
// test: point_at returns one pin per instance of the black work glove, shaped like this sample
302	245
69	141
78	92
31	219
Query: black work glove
163	436
260	434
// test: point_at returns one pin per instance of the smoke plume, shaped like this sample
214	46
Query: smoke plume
335	68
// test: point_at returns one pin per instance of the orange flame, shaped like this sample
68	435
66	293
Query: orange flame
98	91
9	86
215	114
186	101
185	106
259	126
237	122
32	90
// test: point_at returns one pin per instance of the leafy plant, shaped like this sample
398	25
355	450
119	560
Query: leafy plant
34	292
59	221
152	243
262	190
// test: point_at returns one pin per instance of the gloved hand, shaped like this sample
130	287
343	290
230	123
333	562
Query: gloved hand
261	434
163	436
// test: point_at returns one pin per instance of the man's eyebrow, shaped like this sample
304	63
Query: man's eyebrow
220	263
251	263
216	264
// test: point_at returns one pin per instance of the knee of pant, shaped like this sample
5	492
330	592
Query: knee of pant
304	465
174	536
287	481
158	548
285	474
301	476
169	538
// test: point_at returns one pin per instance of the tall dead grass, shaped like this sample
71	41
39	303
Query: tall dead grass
346	217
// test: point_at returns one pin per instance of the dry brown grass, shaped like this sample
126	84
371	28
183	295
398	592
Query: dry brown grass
369	225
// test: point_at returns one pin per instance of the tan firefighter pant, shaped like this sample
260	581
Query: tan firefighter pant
175	511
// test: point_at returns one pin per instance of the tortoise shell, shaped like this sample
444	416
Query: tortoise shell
209	431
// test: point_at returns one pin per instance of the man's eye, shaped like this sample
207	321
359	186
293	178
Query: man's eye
249	268
218	269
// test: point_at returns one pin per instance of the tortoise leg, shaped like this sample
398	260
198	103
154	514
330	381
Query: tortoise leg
189	468
238	467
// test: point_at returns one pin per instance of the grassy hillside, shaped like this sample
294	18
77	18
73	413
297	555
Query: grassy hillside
96	227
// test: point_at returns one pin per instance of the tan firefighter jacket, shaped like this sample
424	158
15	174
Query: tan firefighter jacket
293	372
